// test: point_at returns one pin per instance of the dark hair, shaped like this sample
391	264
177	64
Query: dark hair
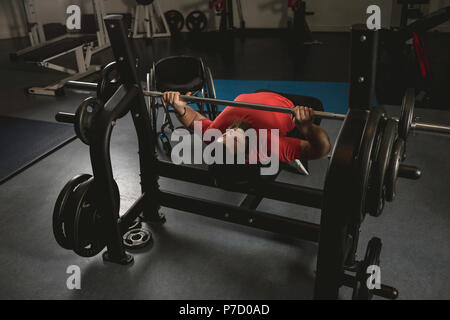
244	125
240	124
232	176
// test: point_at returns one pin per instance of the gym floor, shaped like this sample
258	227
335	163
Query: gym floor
199	258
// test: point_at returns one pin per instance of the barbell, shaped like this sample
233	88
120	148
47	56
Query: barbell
405	121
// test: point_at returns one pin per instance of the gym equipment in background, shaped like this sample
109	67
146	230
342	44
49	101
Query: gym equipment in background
299	26
196	21
149	17
403	60
411	9
35	28
224	9
343	200
43	52
175	20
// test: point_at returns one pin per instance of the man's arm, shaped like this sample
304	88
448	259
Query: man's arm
316	144
185	114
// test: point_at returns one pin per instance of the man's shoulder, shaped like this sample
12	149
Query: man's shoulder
265	97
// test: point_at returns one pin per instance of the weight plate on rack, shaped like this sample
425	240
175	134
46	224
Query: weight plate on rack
196	21
365	159
86	226
394	164
60	210
84	116
87	239
175	20
137	238
407	113
376	195
108	82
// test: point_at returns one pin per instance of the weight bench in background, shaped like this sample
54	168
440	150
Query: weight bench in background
44	54
82	45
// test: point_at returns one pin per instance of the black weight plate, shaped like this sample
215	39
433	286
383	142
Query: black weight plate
394	164
372	257
108	82
175	20
196	21
71	212
60	210
137	238
376	194
364	161
407	113
84	116
87	239
379	137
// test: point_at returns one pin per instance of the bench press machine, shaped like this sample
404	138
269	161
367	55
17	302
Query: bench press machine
367	158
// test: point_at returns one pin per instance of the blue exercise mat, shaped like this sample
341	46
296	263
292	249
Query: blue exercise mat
334	95
24	142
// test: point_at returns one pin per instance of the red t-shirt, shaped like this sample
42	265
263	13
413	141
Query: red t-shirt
289	148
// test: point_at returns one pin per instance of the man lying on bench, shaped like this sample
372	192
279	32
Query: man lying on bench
300	137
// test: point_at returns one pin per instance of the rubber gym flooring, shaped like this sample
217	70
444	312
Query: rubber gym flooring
199	258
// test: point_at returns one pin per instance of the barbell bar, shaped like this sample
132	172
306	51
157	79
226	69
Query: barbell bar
325	115
322	114
247	105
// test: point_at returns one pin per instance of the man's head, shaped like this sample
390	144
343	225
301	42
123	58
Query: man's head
235	140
